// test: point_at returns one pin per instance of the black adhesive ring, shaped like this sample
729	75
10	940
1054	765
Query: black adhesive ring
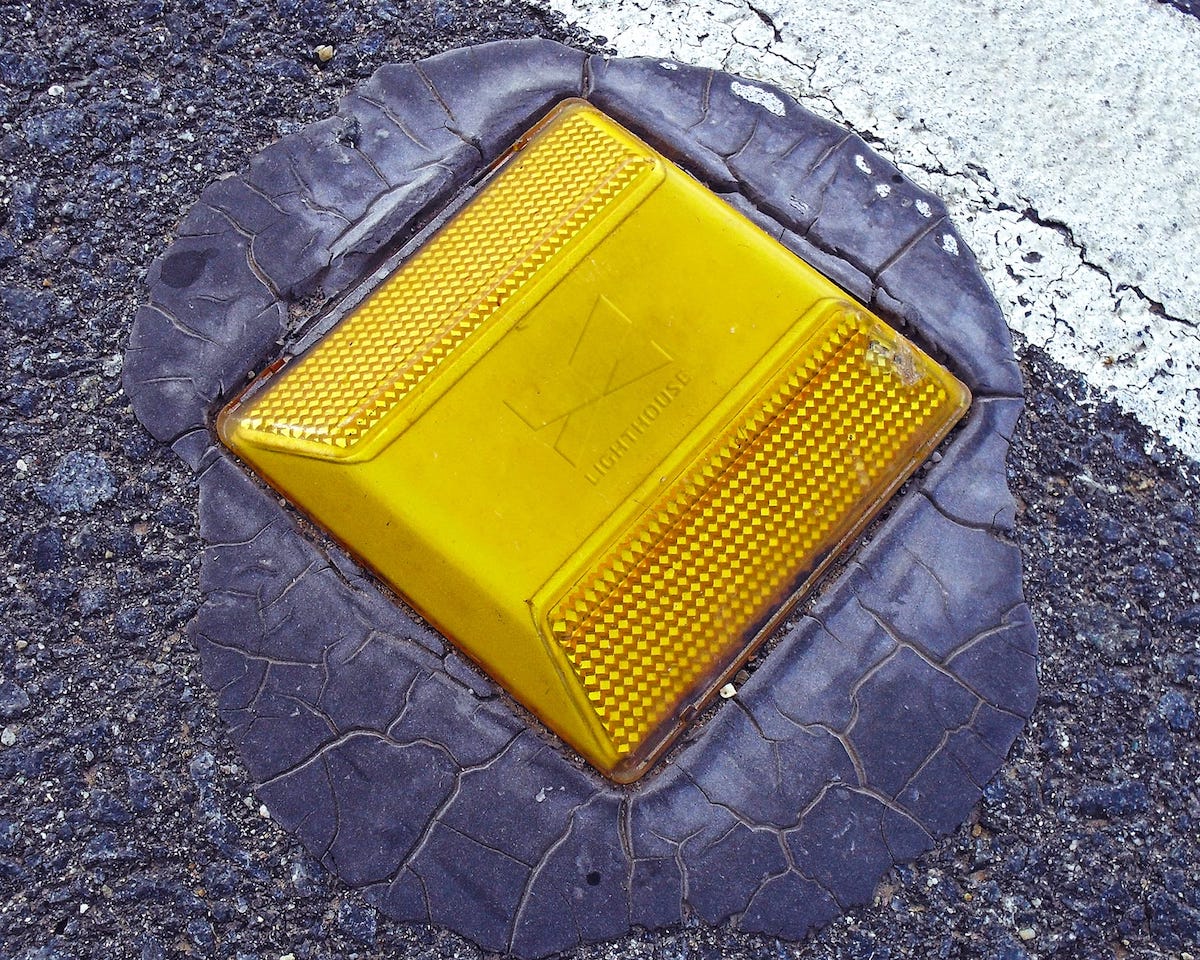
868	730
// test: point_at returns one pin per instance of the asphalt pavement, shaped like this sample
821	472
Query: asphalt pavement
127	828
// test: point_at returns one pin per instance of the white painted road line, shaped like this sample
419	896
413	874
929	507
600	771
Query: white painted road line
1063	138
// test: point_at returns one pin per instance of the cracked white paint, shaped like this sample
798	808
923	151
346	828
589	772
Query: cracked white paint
1063	137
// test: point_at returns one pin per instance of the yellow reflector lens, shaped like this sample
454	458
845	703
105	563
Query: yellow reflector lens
601	430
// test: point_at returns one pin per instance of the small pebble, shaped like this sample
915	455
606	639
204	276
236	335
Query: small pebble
727	691
1026	933
80	481
14	701
9	736
324	53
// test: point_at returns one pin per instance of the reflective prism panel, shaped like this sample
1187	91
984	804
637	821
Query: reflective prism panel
599	429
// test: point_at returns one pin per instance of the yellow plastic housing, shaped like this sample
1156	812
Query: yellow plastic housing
600	430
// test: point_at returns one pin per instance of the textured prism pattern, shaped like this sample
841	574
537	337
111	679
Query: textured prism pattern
461	277
707	565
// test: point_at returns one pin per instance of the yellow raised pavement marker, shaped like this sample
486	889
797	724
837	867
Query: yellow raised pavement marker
599	429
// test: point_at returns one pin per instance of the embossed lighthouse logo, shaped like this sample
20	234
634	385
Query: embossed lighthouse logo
602	359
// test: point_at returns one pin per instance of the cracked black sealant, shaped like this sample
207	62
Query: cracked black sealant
883	706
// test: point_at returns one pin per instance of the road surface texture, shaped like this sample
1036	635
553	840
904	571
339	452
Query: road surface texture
126	823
